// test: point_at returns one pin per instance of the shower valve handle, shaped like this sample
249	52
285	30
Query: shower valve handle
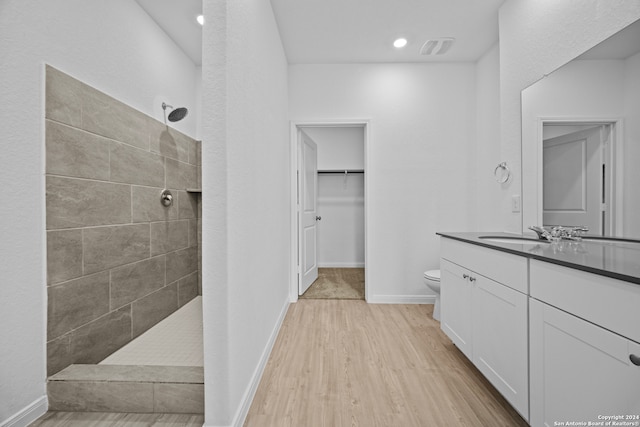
166	198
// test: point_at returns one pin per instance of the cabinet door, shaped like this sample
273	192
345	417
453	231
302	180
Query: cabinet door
500	339
578	370
455	305
633	396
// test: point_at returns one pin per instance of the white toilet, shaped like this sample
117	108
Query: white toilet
432	280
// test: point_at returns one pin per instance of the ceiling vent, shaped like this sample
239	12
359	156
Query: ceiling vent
437	46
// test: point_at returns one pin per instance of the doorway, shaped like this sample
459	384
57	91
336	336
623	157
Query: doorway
580	175
328	209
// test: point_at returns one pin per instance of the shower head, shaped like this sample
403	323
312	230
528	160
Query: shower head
176	115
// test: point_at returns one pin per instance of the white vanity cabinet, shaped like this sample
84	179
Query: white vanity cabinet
484	312
560	343
584	329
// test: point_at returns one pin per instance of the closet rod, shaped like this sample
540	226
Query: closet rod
342	171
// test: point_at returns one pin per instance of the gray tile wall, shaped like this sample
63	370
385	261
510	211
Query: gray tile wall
118	261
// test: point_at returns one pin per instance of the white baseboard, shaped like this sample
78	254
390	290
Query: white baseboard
250	392
341	265
27	415
401	299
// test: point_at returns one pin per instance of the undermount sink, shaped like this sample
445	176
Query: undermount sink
514	240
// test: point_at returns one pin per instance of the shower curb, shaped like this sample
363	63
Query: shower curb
127	388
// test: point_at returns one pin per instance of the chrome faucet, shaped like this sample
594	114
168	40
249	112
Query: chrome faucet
559	232
541	232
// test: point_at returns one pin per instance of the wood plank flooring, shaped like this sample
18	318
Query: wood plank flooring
112	419
348	363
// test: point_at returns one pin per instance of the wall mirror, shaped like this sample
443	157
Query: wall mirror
581	141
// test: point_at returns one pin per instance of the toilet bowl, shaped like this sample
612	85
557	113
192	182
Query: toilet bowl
432	280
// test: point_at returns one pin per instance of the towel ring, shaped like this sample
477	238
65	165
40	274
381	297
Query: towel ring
502	173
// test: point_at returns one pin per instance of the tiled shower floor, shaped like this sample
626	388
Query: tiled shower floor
176	341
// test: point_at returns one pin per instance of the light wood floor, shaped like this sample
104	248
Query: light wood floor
348	363
111	419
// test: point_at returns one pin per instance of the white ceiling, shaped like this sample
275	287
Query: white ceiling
353	31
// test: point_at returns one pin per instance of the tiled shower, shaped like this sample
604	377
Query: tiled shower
118	261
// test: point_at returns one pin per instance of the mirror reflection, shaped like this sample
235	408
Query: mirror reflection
581	141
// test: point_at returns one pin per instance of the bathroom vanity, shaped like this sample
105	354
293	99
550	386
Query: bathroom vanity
555	327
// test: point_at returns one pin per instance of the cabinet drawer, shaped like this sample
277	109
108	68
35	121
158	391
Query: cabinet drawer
508	269
610	303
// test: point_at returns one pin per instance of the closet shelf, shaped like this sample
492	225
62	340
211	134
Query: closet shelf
341	171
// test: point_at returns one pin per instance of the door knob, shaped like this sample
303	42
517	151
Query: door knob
634	359
318	218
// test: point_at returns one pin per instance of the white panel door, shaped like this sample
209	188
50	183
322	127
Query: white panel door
572	180
307	211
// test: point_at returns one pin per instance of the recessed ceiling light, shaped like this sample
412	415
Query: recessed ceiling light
200	19
400	43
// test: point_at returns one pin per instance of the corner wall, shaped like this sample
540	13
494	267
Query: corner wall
113	45
245	201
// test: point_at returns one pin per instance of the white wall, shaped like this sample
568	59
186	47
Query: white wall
198	103
245	200
113	46
341	230
339	148
536	37
487	191
419	158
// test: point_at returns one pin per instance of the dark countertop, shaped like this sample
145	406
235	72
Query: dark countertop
619	260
